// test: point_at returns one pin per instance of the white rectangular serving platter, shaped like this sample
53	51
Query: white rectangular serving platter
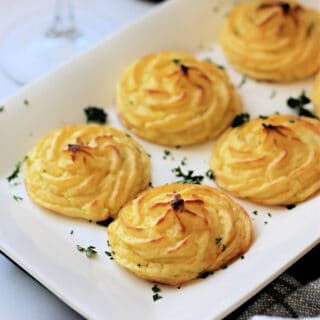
41	242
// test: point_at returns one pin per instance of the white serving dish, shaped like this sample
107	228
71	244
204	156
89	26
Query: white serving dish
40	241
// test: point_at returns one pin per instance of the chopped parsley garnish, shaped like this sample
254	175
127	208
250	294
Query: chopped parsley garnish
269	214
255	212
291	121
17	198
204	274
156	297
178	146
96	115
218	240
16	171
1	108
290	206
128	135
240	119
210	174
71	232
183	161
138	265
26	102
208	59
176	60
297	104
109	254
150	184
156	291
90	251
266	222
187	177
242	82
263	117
106	222
242	257
166	154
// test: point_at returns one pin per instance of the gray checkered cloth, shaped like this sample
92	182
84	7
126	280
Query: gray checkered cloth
284	297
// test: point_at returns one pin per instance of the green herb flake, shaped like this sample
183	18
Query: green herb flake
156	297
17	198
269	215
178	146
16	171
90	250
155	289
166	153
150	184
79	248
218	240
138	265
204	274
242	82
255	212
266	222
291	121
290	206
128	135
242	257
71	232
263	117
187	177
210	174
26	102
240	119
96	115
1	108
176	60
298	105
183	161
108	253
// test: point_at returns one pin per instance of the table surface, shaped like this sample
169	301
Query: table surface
21	297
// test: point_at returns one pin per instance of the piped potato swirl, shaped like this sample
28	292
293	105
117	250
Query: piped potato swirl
173	233
273	40
86	171
171	98
274	161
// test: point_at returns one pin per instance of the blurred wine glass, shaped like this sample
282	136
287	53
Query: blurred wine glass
42	43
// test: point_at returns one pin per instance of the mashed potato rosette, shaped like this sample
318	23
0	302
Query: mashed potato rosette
172	99
174	233
273	40
273	161
86	171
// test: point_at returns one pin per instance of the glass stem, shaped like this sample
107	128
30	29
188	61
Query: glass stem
63	25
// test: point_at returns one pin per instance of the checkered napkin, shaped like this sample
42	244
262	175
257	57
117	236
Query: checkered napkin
292	295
